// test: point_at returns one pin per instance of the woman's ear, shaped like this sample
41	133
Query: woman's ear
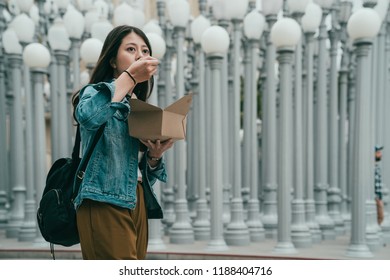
112	63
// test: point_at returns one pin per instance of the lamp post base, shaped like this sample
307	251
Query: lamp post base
358	251
217	245
285	247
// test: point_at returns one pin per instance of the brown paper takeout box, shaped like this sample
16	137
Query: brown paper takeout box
150	122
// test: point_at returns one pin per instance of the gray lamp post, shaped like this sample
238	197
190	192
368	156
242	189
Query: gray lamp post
362	27
215	42
253	28
168	192
155	231
236	232
285	35
373	230
4	178
345	12
268	128
25	29
299	230
201	223
37	58
382	132
310	22
334	194
220	14
17	141
321	131
351	127
181	231
47	18
59	43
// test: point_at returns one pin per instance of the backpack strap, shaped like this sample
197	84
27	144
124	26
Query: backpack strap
76	146
84	161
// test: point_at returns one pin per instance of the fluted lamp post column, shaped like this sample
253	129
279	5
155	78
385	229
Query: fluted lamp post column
285	35
155	230
345	13
215	43
310	23
13	50
334	194
381	113
165	77
269	126
326	224
59	43
4	171
181	231
37	58
299	230
202	221
219	15
236	232
362	27
25	29
254	23
373	230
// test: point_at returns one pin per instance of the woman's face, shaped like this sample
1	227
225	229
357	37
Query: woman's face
132	48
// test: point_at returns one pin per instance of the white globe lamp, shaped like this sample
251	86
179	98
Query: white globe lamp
198	26
286	32
24	27
74	22
152	27
158	45
215	40
311	20
58	36
179	12
90	50
11	42
36	55
254	23
363	24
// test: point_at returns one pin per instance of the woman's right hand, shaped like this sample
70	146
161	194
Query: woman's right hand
144	68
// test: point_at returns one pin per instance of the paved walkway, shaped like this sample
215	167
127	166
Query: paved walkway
10	248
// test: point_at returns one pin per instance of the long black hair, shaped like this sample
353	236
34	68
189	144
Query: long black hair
103	70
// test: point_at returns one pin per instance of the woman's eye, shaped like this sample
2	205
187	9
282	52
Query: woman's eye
145	51
131	49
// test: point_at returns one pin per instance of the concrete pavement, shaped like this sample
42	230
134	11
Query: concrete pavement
335	249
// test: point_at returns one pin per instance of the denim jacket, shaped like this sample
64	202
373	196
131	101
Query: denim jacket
112	172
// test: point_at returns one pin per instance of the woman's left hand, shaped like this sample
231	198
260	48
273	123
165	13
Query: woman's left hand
158	147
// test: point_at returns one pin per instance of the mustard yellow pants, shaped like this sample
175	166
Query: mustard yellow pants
109	232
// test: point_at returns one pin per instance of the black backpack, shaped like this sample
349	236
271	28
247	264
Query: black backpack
56	214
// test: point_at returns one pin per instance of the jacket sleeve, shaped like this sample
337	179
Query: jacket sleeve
153	174
95	106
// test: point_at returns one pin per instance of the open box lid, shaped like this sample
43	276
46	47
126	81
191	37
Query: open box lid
147	121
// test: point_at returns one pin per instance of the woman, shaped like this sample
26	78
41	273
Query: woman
115	198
